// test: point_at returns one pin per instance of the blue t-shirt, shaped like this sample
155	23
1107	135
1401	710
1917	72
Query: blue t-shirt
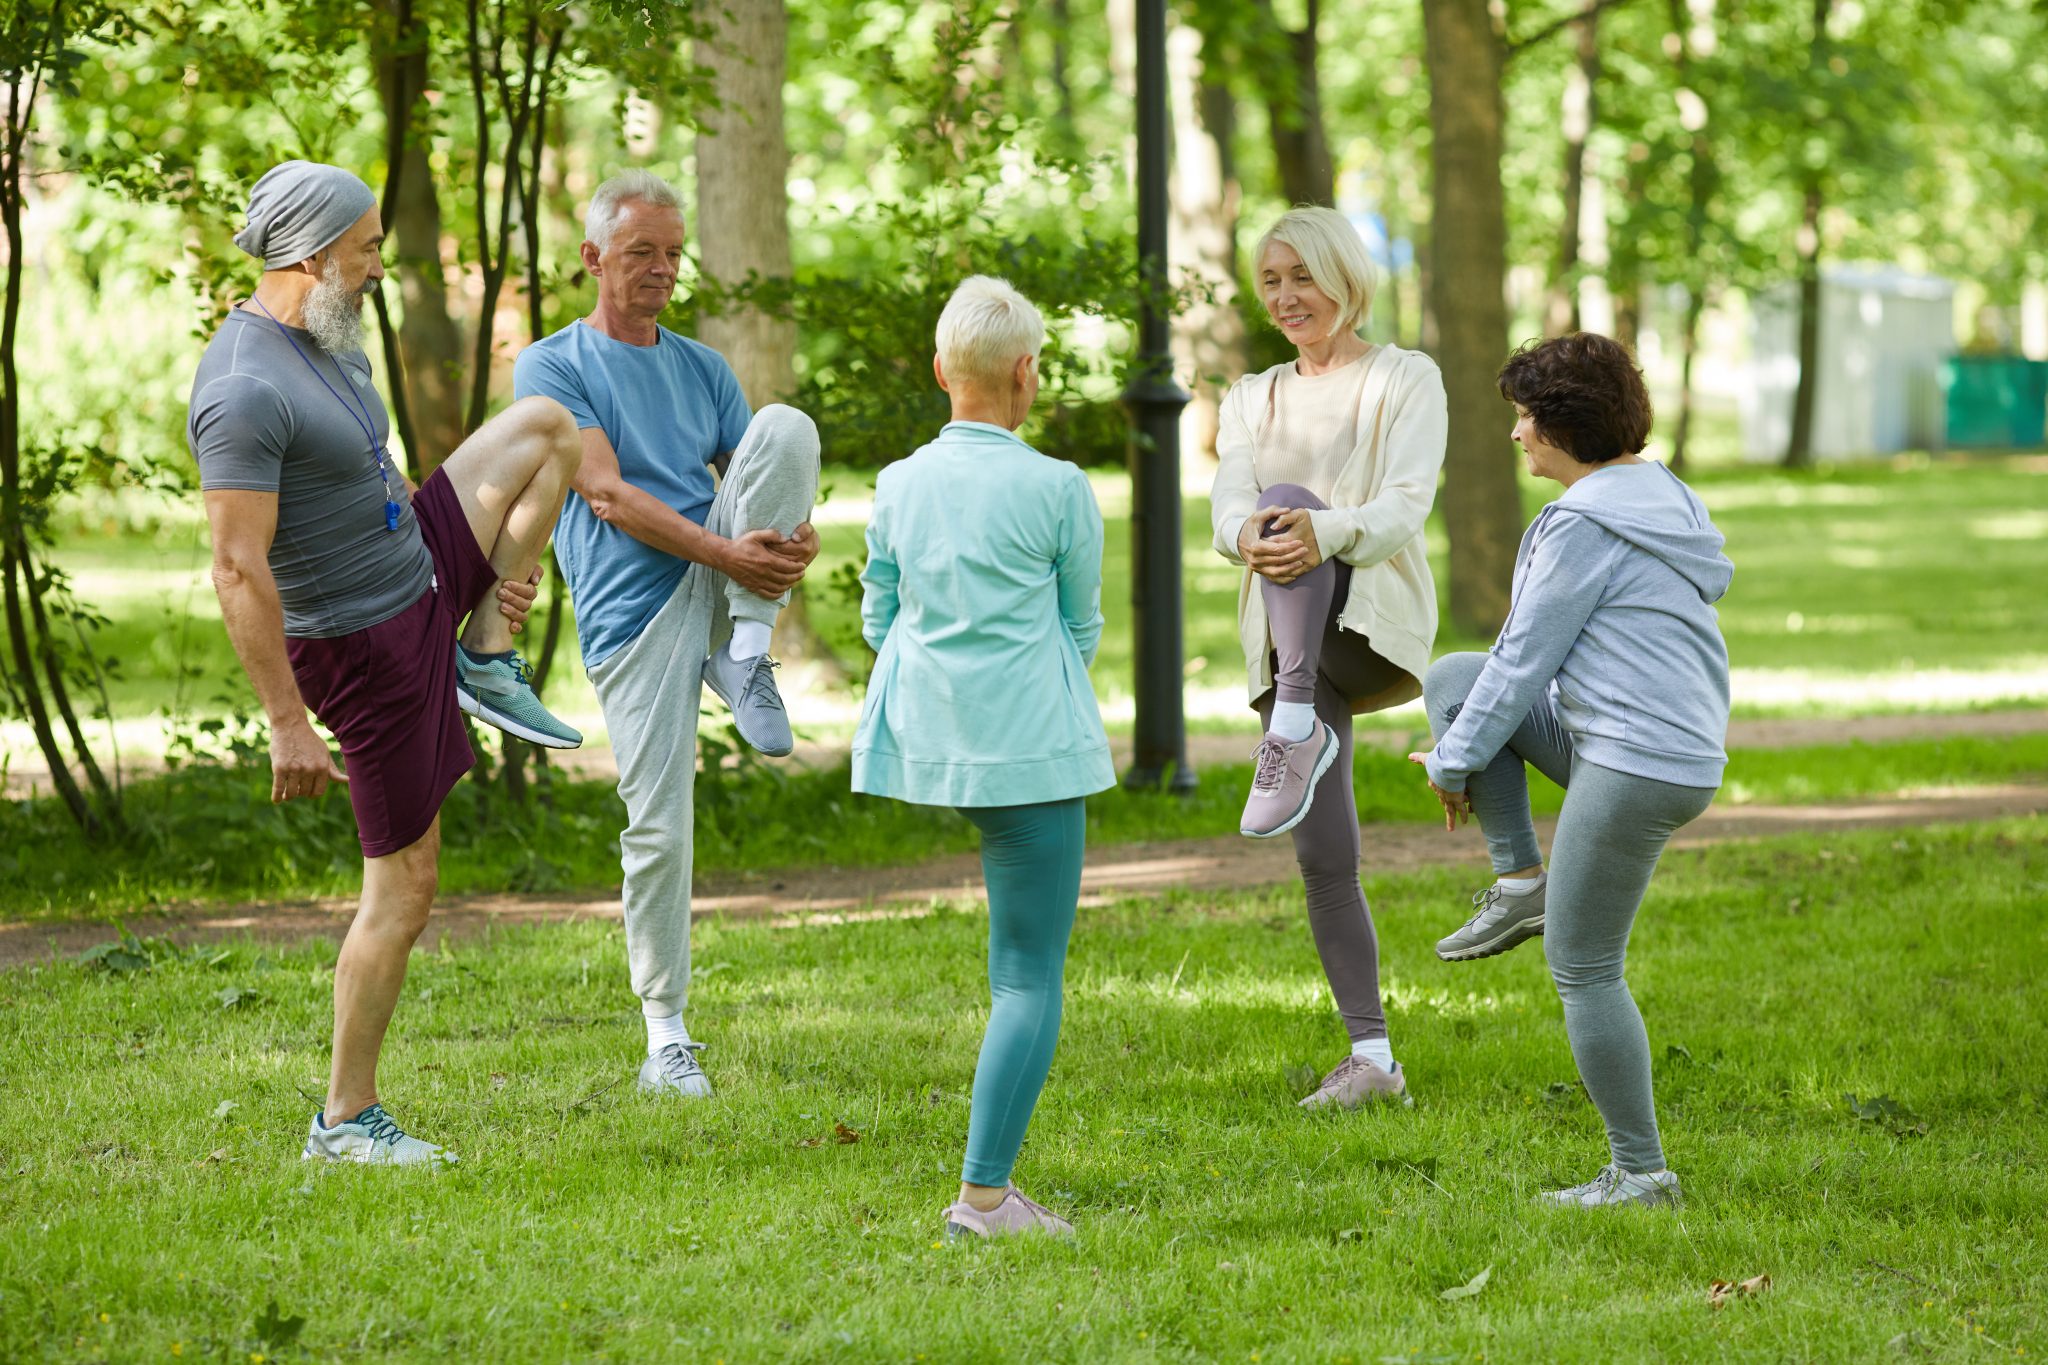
668	410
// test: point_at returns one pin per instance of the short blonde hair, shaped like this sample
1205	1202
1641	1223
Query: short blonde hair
985	327
1335	256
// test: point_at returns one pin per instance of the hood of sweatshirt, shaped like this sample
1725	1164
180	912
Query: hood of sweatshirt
1651	508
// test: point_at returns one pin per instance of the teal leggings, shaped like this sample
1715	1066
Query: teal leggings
1031	860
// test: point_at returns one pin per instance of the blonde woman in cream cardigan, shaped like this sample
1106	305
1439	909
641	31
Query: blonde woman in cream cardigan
1328	466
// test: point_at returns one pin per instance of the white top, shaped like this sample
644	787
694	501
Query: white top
1315	426
1379	460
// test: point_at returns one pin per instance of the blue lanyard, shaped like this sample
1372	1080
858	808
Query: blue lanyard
358	411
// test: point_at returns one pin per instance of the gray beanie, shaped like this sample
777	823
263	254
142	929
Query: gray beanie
300	207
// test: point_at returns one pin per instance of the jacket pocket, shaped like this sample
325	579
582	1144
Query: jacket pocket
1606	720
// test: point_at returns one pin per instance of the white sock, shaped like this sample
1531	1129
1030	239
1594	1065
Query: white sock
663	1031
1378	1051
750	639
1521	886
1293	721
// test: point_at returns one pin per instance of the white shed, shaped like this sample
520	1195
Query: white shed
1883	336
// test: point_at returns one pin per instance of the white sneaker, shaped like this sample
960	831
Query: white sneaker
1614	1186
674	1071
373	1139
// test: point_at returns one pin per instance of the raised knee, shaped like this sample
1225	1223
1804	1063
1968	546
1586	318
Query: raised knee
553	426
787	429
1448	682
1287	495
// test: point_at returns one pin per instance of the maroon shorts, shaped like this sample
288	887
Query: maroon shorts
388	693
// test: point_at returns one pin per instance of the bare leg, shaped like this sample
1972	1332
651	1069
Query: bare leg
398	891
511	476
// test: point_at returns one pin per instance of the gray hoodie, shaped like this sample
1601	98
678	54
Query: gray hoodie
1611	615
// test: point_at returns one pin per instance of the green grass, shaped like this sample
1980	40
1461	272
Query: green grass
1854	574
155	1204
211	834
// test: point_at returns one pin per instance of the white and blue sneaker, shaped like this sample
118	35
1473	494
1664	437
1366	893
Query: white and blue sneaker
674	1071
371	1138
498	690
748	687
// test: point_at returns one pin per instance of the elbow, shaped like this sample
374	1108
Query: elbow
232	573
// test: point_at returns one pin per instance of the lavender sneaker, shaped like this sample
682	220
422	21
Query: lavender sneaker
1356	1081
1014	1215
1284	777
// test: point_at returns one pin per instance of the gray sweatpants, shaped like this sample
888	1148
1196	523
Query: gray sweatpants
1315	661
650	690
1609	836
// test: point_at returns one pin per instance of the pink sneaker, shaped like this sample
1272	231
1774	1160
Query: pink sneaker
1356	1081
1284	778
1015	1214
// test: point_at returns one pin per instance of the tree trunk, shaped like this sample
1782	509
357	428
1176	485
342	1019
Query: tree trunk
743	191
1580	113
429	342
1209	335
1691	30
1468	270
1799	450
1300	149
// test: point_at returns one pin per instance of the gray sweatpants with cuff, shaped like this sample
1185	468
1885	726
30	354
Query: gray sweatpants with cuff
650	691
1609	836
1315	661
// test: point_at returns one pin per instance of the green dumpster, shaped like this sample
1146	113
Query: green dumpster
1996	400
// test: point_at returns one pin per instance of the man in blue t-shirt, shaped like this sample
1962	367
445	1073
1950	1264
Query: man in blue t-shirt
676	578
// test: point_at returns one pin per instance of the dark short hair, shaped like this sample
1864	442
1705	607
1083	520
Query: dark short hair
1585	393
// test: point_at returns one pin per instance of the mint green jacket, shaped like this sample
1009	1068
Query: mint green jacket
983	602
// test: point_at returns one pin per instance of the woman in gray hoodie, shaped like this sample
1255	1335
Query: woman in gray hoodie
1611	677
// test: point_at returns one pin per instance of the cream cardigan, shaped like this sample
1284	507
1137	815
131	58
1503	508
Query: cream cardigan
1374	522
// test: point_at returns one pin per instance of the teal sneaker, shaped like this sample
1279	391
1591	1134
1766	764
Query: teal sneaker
371	1138
499	691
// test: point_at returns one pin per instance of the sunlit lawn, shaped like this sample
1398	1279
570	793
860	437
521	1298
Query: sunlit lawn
156	1207
1849	583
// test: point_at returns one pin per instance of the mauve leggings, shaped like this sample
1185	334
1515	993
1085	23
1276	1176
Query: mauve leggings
1316	662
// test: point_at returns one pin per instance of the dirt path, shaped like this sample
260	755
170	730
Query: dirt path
831	895
27	772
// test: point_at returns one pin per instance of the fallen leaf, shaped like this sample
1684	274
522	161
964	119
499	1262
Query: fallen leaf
1303	1079
1720	1291
224	1108
1469	1288
1350	1234
844	1134
218	1154
238	995
499	1080
810	1142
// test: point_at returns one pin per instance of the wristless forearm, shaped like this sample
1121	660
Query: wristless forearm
255	622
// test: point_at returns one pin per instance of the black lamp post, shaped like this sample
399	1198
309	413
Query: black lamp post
1155	402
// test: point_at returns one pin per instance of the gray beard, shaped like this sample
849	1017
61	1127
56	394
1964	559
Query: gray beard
334	314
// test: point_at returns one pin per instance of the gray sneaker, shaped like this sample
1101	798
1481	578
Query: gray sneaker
674	1071
1614	1187
373	1139
1284	777
1501	919
1356	1081
499	691
748	687
1014	1215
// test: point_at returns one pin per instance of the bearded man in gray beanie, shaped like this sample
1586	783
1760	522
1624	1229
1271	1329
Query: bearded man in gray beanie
344	588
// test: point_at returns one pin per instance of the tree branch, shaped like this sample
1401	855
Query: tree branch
1557	26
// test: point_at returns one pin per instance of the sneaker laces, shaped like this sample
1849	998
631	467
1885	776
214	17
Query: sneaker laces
1271	760
679	1061
1485	900
1606	1182
760	688
380	1125
1343	1069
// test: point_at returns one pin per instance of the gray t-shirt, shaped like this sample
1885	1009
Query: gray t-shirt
262	420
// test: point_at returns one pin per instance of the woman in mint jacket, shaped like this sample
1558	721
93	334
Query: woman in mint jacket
983	603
